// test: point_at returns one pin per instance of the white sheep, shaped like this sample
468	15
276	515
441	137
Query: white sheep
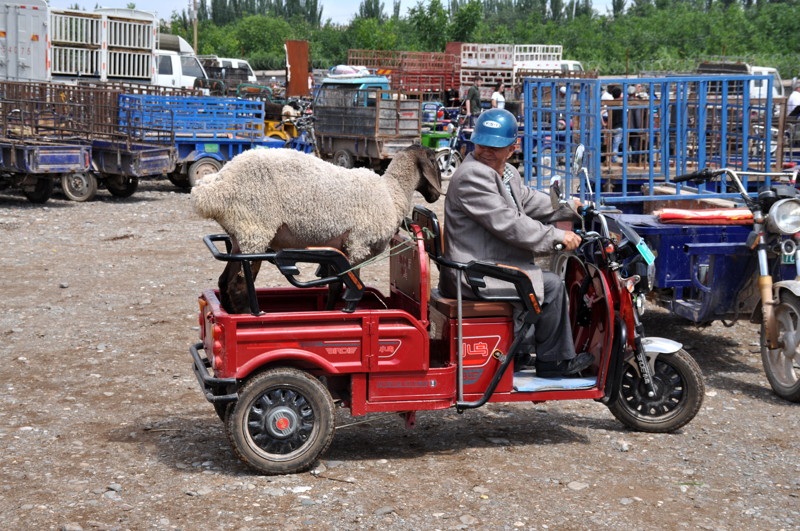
281	199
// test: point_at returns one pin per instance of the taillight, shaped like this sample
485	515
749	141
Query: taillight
216	345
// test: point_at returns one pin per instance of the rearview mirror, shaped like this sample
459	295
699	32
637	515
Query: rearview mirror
577	159
556	195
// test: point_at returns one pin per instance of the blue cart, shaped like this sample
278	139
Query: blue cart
208	132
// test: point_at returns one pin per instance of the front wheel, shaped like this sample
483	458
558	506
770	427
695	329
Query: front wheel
782	365
679	392
179	180
282	422
448	162
122	186
41	191
79	186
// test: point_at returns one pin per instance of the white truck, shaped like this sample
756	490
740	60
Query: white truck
38	43
758	88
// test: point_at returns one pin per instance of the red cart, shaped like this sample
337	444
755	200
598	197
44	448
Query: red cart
275	375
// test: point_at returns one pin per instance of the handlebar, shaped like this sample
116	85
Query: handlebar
700	175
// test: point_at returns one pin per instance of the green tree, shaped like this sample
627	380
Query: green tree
371	9
430	23
466	21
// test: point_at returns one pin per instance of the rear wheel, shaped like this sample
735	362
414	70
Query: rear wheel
679	392
41	192
79	186
782	365
122	186
448	167
282	422
201	168
344	158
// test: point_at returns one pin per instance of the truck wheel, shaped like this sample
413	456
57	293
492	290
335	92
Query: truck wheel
41	192
79	186
201	168
344	158
282	422
679	394
179	180
122	186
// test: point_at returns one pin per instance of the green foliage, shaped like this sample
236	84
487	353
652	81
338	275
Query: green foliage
631	36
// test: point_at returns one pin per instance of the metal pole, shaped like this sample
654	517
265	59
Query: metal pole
460	339
194	24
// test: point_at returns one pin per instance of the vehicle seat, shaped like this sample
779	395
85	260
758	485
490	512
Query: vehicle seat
434	246
470	308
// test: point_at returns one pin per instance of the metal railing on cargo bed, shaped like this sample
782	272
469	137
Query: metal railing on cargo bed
190	117
51	111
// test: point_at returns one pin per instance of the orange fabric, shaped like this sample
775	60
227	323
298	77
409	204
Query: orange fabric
724	216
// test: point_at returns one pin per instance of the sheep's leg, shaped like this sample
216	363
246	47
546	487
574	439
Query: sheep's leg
233	291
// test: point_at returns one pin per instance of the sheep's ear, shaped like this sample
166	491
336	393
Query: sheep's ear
429	169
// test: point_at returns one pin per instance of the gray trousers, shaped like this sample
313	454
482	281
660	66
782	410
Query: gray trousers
550	335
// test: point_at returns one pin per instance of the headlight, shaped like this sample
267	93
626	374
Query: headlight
784	216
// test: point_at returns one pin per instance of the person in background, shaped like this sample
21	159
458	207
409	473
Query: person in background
793	103
473	101
491	215
617	119
498	96
451	97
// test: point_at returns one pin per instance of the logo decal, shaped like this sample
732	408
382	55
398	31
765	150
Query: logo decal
492	124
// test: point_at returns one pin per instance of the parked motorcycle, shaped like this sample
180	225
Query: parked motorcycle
774	240
449	158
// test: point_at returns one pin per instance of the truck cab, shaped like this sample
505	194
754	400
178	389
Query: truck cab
176	63
352	90
228	69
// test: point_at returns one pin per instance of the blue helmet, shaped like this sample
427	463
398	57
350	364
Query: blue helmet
495	128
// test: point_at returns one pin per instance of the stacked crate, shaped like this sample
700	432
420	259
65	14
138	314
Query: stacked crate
492	62
431	73
103	45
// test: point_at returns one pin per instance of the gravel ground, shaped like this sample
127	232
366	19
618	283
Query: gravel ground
104	426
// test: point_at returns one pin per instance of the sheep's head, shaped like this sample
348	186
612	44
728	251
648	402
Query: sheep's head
430	181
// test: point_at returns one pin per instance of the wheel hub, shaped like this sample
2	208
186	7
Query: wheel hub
282	422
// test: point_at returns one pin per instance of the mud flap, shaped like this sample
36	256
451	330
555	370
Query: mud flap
616	362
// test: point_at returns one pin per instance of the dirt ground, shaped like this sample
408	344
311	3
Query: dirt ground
104	426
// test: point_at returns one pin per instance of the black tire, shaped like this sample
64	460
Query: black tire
782	366
122	186
282	422
79	186
344	158
179	180
201	168
679	395
448	168
41	192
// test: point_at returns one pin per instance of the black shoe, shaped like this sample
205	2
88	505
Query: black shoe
560	369
523	362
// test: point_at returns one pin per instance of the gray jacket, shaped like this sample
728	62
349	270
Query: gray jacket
483	222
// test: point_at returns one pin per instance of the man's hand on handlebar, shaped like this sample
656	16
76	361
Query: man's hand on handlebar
571	241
